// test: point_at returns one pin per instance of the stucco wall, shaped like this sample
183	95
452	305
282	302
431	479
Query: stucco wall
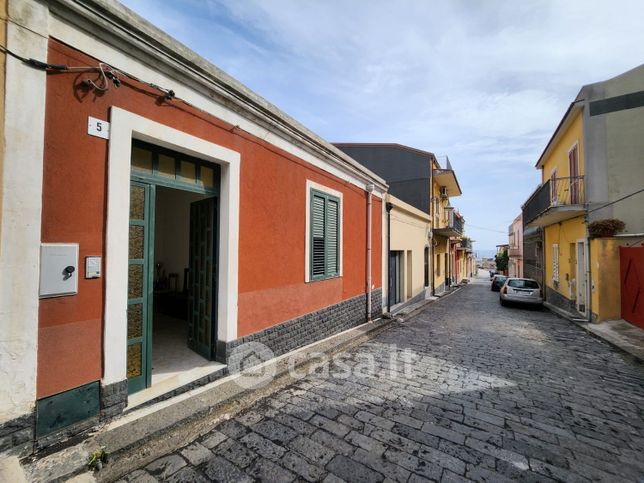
409	233
563	234
605	287
271	230
558	158
440	249
615	147
21	207
3	58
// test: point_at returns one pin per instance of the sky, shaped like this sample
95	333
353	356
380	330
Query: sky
483	82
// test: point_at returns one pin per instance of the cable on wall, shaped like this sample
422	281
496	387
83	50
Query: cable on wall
106	71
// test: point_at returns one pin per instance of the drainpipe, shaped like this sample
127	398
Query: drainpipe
388	206
370	188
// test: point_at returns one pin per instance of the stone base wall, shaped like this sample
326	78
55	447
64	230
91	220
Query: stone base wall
113	399
558	300
309	328
16	435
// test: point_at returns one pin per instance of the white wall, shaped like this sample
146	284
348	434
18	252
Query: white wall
21	192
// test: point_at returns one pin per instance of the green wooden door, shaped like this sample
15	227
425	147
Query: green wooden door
202	277
140	286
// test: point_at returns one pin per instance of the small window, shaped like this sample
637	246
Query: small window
325	235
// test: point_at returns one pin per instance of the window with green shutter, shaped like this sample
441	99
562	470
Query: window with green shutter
325	235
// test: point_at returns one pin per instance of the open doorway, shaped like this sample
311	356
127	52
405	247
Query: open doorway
172	282
171	335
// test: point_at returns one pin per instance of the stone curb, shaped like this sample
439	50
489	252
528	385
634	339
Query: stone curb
420	306
584	326
145	434
614	343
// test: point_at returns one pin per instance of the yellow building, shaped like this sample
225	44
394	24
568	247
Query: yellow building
447	227
408	252
416	178
591	170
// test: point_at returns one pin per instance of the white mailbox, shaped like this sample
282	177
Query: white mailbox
58	269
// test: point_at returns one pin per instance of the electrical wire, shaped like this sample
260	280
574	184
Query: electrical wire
107	73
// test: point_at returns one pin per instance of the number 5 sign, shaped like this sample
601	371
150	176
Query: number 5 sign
98	128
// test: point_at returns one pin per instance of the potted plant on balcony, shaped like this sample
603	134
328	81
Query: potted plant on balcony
605	228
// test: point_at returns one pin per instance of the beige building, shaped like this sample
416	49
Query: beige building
408	252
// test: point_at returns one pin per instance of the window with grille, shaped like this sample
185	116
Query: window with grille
325	235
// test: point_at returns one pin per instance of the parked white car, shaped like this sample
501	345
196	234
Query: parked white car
522	291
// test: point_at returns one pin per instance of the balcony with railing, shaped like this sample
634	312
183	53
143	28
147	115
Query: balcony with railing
451	224
465	244
515	252
556	200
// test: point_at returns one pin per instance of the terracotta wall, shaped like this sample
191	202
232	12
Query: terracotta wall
272	220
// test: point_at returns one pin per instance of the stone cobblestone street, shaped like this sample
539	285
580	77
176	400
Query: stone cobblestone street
494	394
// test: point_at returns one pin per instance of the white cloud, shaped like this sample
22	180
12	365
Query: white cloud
484	82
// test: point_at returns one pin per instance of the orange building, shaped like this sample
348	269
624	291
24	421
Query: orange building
165	216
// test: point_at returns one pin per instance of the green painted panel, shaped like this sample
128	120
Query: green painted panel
140	272
202	278
67	408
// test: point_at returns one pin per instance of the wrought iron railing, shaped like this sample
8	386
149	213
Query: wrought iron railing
466	243
552	193
456	223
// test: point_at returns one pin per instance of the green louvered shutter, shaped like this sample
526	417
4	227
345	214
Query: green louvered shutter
332	237
317	236
325	235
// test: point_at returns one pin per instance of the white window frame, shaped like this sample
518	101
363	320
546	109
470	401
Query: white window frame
312	185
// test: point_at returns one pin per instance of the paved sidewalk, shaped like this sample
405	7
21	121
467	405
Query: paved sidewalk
622	334
492	394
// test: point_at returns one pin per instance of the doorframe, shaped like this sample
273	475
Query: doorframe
585	271
124	127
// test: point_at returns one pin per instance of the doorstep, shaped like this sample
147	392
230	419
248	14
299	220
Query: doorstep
173	383
147	432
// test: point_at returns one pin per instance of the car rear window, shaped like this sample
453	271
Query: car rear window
523	284
500	278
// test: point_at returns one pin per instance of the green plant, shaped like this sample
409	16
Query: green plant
501	260
604	228
97	459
